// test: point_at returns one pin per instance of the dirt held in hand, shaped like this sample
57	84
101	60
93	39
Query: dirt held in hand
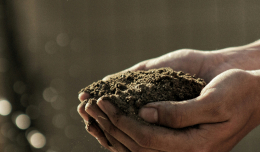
132	90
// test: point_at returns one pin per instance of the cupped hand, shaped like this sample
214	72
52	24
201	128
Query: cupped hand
186	60
204	64
219	118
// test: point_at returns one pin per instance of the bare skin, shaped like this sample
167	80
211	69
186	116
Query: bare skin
226	110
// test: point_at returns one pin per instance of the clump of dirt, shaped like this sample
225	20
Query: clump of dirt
132	90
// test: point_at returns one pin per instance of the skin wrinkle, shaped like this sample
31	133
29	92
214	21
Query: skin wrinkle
159	116
203	137
190	135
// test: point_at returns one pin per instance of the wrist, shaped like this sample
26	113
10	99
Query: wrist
242	57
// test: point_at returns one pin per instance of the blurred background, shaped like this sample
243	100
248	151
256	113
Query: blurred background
50	49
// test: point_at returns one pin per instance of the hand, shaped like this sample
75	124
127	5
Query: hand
178	60
223	114
205	64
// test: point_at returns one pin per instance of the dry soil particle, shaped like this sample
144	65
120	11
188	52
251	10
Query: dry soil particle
131	90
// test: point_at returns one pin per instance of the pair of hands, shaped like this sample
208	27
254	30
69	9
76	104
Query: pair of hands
224	113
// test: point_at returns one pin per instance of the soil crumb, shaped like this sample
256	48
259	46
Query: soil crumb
133	89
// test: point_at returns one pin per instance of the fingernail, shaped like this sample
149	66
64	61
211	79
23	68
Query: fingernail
149	114
82	96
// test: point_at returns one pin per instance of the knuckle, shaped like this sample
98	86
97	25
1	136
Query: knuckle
91	104
219	110
87	107
187	51
176	117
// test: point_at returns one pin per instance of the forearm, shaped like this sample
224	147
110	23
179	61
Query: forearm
256	97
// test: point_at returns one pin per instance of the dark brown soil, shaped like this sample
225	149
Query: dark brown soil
131	90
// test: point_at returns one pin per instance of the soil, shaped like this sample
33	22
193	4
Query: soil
132	90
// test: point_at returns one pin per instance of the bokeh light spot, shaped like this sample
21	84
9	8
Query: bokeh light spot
50	94
22	121
63	39
5	107
36	139
19	87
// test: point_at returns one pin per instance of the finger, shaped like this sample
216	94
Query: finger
82	112
83	96
146	136
96	132
116	145
106	125
122	137
91	125
201	110
93	128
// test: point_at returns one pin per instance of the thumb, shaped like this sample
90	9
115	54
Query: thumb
182	114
